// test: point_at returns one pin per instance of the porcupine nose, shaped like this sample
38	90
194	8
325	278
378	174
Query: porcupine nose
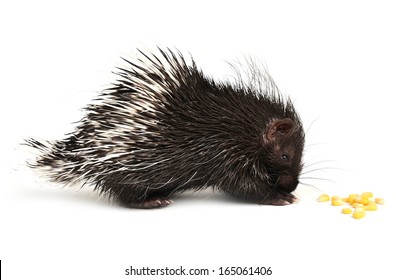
287	182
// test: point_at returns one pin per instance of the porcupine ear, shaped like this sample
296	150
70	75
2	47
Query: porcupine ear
278	129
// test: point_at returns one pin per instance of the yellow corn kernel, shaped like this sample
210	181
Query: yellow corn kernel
355	205
367	194
335	197
362	200
370	207
379	200
345	199
359	213
346	210
352	198
323	198
337	202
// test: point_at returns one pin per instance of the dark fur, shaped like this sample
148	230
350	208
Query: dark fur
243	139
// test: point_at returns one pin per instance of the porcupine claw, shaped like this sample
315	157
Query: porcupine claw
156	202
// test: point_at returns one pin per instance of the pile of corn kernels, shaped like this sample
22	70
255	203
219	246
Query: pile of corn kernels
357	204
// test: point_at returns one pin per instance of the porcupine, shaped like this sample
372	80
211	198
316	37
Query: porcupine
164	127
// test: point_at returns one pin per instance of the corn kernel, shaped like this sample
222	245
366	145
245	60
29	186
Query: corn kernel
355	205
337	202
362	200
370	207
346	210
352	198
359	213
323	198
379	200
367	194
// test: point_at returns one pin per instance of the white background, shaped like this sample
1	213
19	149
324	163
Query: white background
335	59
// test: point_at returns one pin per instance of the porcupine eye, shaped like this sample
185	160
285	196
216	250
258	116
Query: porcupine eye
285	158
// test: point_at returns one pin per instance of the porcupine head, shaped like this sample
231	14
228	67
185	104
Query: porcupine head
164	127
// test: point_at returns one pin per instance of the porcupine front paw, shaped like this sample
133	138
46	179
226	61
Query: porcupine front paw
283	199
151	203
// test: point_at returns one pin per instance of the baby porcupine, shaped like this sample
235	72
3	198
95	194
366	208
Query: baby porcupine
164	127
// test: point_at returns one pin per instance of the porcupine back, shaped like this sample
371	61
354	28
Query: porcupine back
165	127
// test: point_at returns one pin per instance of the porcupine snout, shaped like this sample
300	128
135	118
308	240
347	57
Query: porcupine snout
287	182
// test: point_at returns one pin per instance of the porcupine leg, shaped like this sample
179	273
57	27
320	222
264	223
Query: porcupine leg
133	195
282	199
144	200
149	202
269	197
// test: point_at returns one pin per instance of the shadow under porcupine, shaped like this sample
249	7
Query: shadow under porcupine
165	127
